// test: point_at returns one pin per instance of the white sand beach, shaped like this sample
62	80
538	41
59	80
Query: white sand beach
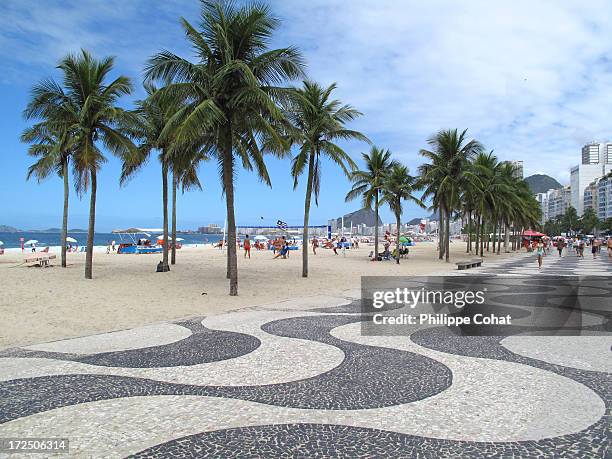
44	304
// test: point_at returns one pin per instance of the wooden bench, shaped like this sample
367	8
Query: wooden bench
40	260
467	264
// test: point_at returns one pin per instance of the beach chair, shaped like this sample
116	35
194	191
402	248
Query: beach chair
40	260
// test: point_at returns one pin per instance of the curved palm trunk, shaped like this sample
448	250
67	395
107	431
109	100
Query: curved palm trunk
228	183
397	222
91	227
65	214
165	266
307	214
173	253
376	226
447	235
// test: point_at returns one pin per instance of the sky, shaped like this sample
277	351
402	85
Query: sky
530	80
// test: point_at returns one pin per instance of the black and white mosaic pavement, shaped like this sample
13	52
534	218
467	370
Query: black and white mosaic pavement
334	394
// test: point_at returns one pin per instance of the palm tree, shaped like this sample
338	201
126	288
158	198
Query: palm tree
369	183
316	123
150	128
443	176
96	121
51	145
231	93
399	186
184	165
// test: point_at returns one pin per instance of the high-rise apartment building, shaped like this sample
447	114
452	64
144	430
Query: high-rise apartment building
518	168
604	198
558	202
596	162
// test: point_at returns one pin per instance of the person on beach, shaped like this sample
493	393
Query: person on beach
609	246
315	245
595	247
283	251
540	253
560	244
247	246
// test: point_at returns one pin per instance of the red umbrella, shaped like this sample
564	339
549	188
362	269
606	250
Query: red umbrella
531	233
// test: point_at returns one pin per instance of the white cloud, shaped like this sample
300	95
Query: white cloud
529	79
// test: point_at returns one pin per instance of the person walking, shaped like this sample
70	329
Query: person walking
540	253
247	246
315	245
609	246
560	244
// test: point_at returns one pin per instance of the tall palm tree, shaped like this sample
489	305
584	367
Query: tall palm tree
231	92
316	123
184	165
51	144
149	127
443	176
99	122
399	186
369	183
88	103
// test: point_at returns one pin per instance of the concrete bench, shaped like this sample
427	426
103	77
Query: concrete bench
40	260
467	264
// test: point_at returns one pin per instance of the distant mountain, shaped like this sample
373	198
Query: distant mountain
363	216
540	183
433	217
9	229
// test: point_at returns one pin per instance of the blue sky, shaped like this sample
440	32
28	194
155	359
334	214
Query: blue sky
531	80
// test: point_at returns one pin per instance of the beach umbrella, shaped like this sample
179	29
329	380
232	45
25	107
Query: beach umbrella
70	239
1	243
179	239
403	239
261	238
31	241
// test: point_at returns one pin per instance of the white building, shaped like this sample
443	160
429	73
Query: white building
542	199
596	162
518	168
558	202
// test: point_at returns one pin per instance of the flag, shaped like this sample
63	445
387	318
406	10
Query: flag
281	224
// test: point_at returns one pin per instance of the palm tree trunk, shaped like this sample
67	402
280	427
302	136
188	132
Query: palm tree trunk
469	231
482	228
376	226
441	245
311	160
174	186
165	266
477	232
398	217
494	237
447	235
91	227
65	214
499	239
506	237
228	183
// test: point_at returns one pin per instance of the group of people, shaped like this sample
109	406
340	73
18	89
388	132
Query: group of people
543	246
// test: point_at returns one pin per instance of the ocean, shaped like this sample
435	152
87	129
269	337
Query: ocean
11	240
